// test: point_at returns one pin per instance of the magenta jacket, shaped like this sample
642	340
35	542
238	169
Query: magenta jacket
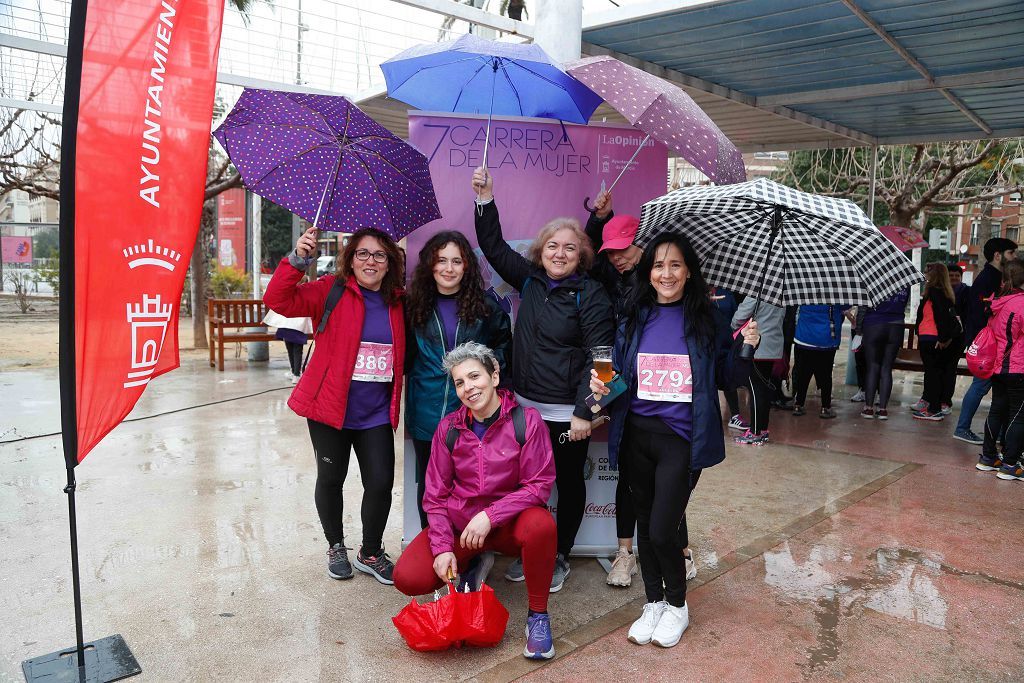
1007	323
493	475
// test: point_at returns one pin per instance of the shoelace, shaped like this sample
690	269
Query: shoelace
541	628
333	552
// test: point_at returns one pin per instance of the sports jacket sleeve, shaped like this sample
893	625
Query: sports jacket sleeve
597	321
512	266
439	482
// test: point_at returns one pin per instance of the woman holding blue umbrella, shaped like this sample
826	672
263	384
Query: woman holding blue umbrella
562	316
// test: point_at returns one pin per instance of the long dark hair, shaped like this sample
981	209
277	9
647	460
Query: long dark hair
391	285
423	288
1013	277
696	304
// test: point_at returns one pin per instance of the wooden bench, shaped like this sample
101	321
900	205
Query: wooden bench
909	355
227	319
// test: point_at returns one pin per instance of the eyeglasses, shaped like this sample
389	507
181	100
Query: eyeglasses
365	254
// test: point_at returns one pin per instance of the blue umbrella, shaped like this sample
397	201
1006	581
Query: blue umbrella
473	75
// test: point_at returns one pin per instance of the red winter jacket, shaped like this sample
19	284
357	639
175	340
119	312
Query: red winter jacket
322	391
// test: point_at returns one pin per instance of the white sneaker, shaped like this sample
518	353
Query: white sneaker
671	625
623	569
643	628
691	566
858	397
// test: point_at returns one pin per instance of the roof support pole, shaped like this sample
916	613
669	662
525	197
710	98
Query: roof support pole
559	28
873	184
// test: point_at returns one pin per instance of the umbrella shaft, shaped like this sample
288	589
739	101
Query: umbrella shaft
628	163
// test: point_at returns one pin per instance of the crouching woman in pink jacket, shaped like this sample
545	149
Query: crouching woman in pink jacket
487	485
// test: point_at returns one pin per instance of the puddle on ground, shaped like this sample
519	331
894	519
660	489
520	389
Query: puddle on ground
899	585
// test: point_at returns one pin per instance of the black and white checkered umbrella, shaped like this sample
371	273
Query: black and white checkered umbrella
822	250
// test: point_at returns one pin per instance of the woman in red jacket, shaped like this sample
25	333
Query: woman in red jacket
351	389
487	485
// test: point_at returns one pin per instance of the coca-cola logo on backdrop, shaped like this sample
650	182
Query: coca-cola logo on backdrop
598	510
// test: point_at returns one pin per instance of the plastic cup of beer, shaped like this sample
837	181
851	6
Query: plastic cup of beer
603	363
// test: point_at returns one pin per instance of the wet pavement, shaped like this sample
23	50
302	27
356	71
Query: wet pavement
845	549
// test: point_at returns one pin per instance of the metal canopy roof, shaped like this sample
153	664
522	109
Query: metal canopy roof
789	74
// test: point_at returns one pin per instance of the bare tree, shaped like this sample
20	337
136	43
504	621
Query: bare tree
220	176
914	180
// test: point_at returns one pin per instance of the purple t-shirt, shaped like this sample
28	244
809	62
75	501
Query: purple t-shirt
369	403
448	312
664	334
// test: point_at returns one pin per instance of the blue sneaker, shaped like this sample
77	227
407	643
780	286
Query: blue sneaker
967	436
988	463
1011	472
476	574
538	638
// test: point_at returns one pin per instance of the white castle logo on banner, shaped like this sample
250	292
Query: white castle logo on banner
149	322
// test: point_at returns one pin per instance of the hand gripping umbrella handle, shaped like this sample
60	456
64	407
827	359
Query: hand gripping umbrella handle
586	202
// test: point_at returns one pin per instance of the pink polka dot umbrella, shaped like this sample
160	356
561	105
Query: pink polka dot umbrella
664	112
322	158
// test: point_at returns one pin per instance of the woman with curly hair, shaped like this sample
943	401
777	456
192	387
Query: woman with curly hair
446	307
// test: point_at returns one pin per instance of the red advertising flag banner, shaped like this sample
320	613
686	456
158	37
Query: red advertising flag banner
231	229
16	249
143	130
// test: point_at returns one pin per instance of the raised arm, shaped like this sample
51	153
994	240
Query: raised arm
512	266
285	295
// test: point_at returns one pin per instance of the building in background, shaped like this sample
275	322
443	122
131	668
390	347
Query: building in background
757	164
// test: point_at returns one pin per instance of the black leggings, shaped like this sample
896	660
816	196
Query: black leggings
939	372
422	449
625	515
570	458
375	453
817	363
880	345
294	356
661	481
1006	414
732	399
762	390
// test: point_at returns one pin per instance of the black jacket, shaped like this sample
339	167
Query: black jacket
554	330
944	314
985	285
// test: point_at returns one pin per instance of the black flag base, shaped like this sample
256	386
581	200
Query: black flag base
106	659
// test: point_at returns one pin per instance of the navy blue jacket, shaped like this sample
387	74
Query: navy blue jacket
987	283
713	369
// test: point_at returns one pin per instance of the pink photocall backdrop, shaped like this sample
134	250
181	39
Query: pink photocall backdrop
541	171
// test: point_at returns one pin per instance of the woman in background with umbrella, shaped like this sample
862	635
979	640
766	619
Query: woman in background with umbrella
488	482
351	389
447	306
668	425
564	314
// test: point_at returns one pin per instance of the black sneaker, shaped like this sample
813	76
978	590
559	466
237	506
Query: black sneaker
476	573
378	566
338	566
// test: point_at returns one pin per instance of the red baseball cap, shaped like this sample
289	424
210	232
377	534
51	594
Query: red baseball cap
619	232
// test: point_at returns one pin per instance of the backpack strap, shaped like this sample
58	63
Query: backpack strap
518	425
450	438
333	297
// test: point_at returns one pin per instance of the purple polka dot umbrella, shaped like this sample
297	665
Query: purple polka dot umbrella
322	158
666	113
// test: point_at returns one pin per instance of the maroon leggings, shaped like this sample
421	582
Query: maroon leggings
531	534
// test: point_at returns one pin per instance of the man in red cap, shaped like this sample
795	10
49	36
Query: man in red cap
612	237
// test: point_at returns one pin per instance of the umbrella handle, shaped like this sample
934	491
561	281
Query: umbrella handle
587	206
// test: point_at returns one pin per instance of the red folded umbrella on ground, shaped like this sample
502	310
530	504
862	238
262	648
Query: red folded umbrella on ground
478	619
